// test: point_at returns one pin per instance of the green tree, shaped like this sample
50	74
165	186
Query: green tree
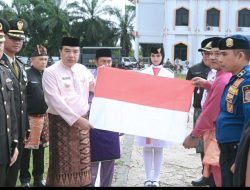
6	11
89	25
55	24
125	26
49	20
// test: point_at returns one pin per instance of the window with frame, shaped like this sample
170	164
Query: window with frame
180	51
213	17
182	16
244	18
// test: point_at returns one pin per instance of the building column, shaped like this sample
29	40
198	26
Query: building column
136	34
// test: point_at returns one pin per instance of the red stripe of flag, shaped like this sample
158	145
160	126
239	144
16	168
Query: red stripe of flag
144	89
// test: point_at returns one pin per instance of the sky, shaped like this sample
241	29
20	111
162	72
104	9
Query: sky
118	3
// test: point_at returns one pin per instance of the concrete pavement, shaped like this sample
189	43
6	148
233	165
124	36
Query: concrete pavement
180	166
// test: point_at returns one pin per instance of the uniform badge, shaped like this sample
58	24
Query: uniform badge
246	94
20	25
8	80
229	42
241	73
9	84
209	45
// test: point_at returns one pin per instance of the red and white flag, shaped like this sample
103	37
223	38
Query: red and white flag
140	104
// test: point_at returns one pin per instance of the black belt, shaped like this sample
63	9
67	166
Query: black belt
232	146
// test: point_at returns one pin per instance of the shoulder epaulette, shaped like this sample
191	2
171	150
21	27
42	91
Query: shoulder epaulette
2	63
20	61
241	73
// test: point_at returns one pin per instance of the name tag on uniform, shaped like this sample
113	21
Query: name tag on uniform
34	82
66	81
66	78
9	84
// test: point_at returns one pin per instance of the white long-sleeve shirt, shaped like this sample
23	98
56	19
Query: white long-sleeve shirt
66	90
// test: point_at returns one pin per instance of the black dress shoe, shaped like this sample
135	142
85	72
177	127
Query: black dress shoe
41	183
203	181
25	184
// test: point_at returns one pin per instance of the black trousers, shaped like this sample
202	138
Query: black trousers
3	174
227	157
38	165
12	173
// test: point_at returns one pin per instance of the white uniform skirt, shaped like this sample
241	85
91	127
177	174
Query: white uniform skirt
141	141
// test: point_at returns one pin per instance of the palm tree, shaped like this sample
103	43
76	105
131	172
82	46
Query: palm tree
125	26
6	11
88	24
55	24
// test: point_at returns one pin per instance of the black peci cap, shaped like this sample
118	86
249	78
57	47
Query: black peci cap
70	41
39	50
4	28
17	28
103	53
234	42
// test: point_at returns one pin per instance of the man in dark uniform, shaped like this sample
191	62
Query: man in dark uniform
12	45
235	101
200	70
38	120
8	125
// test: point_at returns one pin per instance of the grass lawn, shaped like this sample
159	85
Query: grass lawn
180	76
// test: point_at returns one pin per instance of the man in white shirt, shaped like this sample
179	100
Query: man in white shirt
66	87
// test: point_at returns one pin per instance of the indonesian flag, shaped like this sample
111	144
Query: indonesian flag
141	104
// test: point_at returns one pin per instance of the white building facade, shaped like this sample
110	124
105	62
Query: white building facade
181	25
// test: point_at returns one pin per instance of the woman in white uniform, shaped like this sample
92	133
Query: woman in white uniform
153	148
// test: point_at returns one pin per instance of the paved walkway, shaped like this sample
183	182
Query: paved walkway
180	166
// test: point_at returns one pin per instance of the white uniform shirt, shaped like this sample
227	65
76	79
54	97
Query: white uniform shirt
210	77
